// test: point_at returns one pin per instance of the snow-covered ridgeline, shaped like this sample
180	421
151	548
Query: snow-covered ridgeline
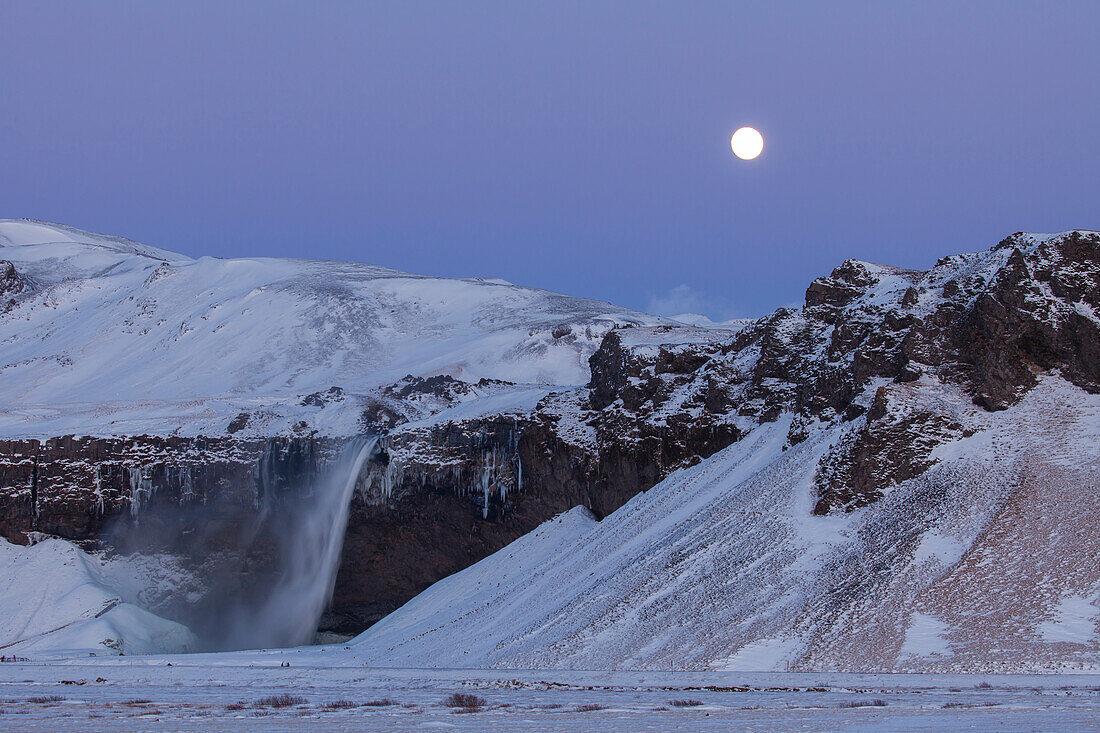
131	328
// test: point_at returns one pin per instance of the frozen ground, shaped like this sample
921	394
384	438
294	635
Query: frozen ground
338	692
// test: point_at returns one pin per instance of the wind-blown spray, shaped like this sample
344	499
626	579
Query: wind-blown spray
288	613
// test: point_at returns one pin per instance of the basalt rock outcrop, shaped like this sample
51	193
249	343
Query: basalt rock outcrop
12	285
467	467
78	487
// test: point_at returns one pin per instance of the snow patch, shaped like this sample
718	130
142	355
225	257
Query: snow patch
1075	620
766	655
925	637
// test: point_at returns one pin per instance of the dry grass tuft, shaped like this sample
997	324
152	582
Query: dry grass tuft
340	705
465	702
280	701
876	703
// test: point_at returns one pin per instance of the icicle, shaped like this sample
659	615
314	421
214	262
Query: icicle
183	475
135	487
98	488
141	488
486	476
392	476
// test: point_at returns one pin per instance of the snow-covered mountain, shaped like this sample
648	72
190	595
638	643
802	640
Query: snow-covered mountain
900	474
104	336
911	482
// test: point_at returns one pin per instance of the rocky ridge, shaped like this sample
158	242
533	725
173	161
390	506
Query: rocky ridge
665	397
866	353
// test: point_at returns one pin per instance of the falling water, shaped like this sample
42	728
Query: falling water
310	550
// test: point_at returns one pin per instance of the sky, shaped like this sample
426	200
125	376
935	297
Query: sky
581	147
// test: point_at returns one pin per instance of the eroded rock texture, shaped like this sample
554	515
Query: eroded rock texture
77	487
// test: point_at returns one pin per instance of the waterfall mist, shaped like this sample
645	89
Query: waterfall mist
287	614
268	565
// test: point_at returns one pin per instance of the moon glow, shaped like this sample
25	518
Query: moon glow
747	143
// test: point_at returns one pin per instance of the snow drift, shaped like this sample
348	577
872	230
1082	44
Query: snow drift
58	601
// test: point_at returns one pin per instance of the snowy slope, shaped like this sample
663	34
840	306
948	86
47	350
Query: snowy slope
108	333
984	563
58	602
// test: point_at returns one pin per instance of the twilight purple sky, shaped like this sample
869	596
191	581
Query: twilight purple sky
576	146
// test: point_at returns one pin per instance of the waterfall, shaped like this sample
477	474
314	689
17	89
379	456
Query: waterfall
311	541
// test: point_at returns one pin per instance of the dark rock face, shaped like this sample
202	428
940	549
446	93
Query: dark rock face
868	347
610	371
844	286
454	493
1016	328
321	399
892	445
999	319
1035	313
73	487
239	423
12	285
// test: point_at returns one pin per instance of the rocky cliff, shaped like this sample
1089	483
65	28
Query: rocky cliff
912	485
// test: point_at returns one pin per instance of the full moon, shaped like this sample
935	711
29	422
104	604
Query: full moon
747	143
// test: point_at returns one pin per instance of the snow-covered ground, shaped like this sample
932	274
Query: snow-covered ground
332	689
113	337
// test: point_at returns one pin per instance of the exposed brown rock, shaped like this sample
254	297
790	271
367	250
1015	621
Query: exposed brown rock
11	281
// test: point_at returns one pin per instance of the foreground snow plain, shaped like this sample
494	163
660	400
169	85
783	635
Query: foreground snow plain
332	689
